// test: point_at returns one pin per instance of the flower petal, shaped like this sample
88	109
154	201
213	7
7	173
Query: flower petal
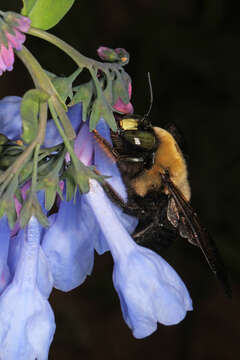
150	291
16	40
10	119
53	137
83	145
5	276
68	244
105	164
7	56
121	106
24	23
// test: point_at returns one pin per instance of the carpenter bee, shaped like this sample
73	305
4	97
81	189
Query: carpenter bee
155	173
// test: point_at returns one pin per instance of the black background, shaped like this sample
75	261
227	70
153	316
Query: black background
191	48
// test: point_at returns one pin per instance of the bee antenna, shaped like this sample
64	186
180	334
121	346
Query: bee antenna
151	96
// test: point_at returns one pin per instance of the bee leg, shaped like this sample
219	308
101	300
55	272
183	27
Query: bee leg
106	147
132	208
155	236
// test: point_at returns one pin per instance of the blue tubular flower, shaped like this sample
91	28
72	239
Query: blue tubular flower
68	244
4	245
106	167
26	320
150	291
44	275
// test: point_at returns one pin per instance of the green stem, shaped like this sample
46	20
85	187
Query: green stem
79	59
40	78
42	123
70	133
61	132
35	169
42	81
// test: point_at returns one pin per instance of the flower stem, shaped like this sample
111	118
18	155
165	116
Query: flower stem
61	132
35	168
79	59
42	81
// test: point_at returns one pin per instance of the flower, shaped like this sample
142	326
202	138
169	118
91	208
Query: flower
113	55
26	325
121	106
11	37
107	54
69	244
17	21
149	290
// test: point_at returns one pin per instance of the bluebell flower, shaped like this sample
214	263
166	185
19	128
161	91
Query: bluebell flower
26	320
150	291
68	244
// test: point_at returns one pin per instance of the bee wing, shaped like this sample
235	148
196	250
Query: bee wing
190	227
178	221
172	212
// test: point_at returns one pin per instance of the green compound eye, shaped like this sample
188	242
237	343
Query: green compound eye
143	139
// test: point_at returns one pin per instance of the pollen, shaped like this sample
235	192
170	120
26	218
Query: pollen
19	142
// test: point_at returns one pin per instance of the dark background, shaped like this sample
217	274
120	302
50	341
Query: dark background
191	48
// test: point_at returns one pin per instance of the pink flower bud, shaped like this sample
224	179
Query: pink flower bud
11	37
17	21
107	54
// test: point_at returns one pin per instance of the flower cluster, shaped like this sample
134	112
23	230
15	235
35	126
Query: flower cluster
34	260
11	37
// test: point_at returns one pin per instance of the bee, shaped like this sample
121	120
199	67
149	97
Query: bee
155	173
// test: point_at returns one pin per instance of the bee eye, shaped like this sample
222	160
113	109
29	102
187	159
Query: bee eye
142	139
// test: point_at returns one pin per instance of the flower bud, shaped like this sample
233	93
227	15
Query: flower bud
107	54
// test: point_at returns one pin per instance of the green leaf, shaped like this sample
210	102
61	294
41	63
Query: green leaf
50	196
101	109
63	85
26	172
50	181
32	207
29	112
7	206
84	95
42	218
107	92
71	187
77	176
44	14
